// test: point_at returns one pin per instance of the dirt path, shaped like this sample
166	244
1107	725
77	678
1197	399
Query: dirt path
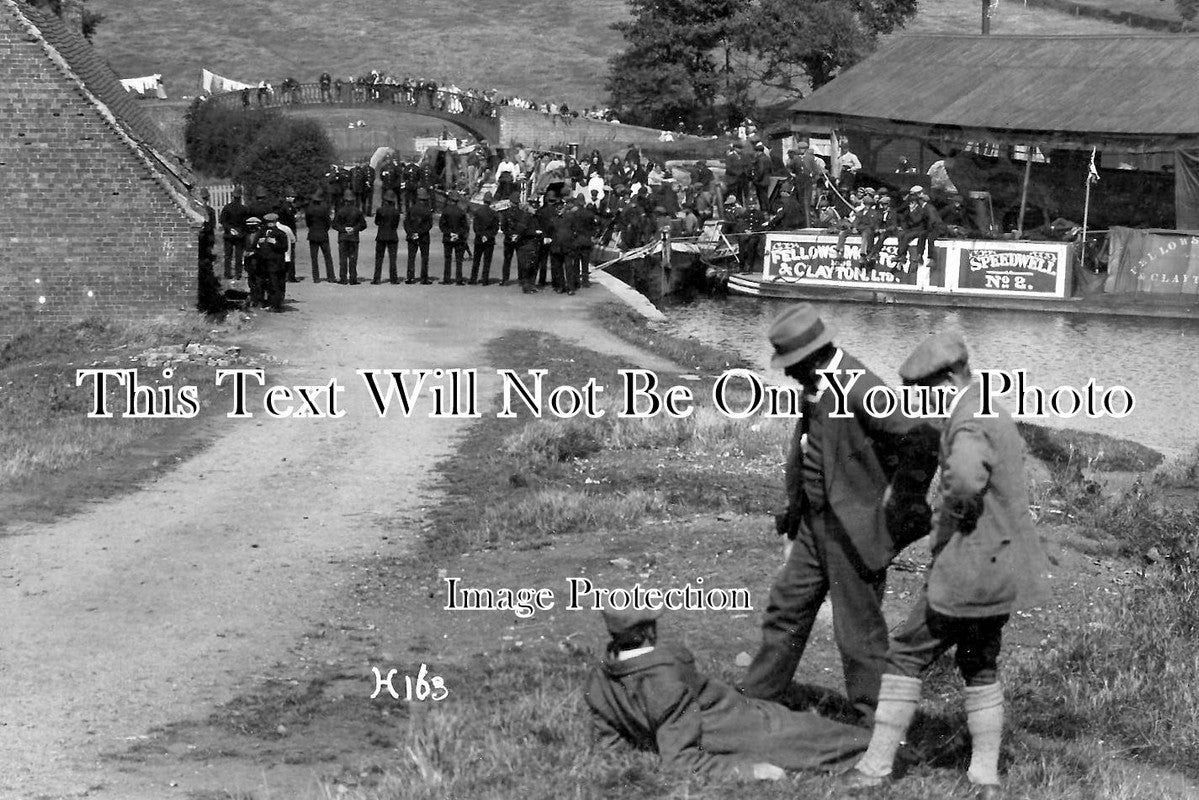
158	605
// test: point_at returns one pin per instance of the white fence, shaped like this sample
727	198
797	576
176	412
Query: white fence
220	194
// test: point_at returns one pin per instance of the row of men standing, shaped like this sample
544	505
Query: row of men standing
558	235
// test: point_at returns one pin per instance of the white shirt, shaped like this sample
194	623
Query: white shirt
850	162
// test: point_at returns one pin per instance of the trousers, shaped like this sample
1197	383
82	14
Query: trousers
823	562
321	247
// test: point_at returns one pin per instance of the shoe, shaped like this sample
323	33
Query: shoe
375	283
343	282
484	282
472	282
293	280
410	281
446	283
395	281
316	281
426	282
459	283
503	283
353	283
853	781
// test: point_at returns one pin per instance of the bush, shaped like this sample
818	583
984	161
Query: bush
289	152
215	135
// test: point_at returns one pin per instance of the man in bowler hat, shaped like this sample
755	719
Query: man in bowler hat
841	537
652	697
987	562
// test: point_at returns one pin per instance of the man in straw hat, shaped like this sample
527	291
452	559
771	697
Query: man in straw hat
840	464
651	696
987	562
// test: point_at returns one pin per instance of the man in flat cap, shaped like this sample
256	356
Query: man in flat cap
763	170
273	246
652	697
841	536
987	562
919	222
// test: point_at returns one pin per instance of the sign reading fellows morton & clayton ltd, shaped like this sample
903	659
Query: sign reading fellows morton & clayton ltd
956	266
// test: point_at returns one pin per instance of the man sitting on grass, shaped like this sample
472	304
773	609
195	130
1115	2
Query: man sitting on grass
652	697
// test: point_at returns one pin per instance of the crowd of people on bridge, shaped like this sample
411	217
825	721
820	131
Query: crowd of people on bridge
382	87
544	212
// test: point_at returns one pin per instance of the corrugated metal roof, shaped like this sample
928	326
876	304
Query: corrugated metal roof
98	77
1128	86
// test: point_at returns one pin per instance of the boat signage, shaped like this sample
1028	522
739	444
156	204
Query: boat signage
812	258
1009	268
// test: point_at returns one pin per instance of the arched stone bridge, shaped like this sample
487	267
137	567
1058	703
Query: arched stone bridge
500	125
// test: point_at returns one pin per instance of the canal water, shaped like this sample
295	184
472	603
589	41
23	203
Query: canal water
1156	360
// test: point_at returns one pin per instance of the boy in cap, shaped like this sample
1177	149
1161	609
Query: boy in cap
987	561
651	696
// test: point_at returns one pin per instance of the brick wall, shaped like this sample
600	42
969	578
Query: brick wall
86	228
542	131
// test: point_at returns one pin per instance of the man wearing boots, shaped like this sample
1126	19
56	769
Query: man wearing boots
486	226
317	216
349	222
455	227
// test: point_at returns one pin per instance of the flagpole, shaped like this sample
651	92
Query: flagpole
1086	209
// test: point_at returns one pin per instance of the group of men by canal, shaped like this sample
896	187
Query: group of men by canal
860	486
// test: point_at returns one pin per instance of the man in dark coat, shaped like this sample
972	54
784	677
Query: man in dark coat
522	224
387	237
919	222
349	223
255	268
261	205
736	171
562	249
987	562
546	214
587	223
366	189
317	216
650	695
288	212
790	217
763	168
841	461
886	224
512	225
233	229
455	228
354	184
335	182
272	248
417	224
487	226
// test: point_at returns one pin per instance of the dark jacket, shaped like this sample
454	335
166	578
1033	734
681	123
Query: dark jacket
734	166
658	701
791	217
763	167
545	216
563	231
316	217
454	223
858	456
418	221
987	557
487	223
270	247
349	222
387	220
233	220
587	223
923	218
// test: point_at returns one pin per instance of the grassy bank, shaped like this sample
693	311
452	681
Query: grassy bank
52	455
1101	684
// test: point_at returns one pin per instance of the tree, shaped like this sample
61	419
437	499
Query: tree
669	74
87	19
214	135
289	152
791	44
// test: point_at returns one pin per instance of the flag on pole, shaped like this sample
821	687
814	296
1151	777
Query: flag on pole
1092	172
